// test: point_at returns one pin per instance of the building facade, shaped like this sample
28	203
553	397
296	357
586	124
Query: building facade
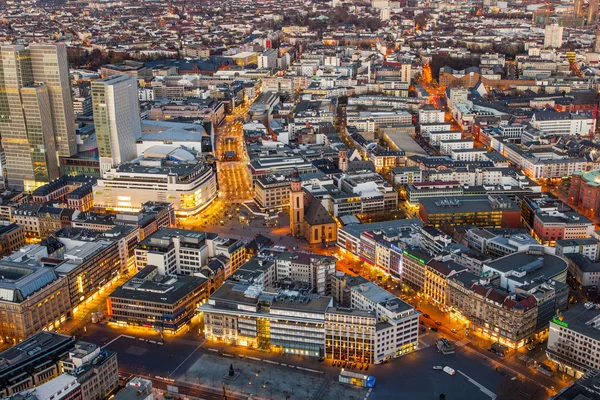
116	119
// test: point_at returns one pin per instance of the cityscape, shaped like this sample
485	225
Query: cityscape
305	200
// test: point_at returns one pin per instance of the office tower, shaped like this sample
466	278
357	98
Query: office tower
553	36
578	8
592	15
26	125
117	119
50	67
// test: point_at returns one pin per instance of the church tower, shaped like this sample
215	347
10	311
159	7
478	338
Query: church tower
343	159
296	206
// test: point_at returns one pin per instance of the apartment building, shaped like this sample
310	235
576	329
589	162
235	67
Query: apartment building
40	221
429	114
435	137
406	175
507	318
436	275
450	145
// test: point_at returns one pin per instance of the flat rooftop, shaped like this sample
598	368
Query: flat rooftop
533	266
583	321
31	348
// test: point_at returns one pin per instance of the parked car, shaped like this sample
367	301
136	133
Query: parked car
496	352
426	315
454	331
438	323
433	328
531	347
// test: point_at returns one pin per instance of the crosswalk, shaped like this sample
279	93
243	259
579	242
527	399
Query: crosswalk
423	345
462	343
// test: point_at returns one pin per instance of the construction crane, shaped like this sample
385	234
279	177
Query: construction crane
572	57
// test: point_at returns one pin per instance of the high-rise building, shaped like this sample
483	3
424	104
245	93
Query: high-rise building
26	126
592	15
553	35
50	67
116	118
578	8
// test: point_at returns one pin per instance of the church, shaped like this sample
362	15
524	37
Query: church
308	217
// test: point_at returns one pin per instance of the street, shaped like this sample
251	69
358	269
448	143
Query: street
234	180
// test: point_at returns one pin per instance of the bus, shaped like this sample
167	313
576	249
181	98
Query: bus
353	378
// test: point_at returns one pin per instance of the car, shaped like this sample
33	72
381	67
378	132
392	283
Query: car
321	359
530	347
426	315
433	328
438	367
496	352
438	323
449	371
453	331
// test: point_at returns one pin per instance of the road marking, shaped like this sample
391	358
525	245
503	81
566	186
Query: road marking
423	345
196	349
114	340
488	392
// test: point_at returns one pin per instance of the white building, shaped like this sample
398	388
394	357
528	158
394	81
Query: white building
563	123
553	36
164	173
574	340
267	59
116	119
185	252
429	115
435	137
398	322
447	146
